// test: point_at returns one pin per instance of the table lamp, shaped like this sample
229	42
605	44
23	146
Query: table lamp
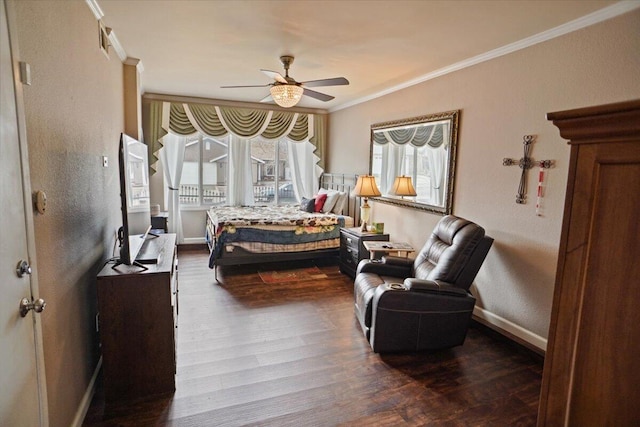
402	186
366	187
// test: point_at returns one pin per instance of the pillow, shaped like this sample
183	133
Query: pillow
320	199
308	205
332	199
341	203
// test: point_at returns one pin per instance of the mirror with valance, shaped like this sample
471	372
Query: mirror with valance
422	149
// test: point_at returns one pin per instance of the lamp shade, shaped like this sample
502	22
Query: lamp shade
366	187
286	95
402	186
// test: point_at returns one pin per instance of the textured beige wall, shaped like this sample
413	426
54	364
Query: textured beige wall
74	113
500	101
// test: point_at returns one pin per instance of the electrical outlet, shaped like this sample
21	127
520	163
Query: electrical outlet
105	161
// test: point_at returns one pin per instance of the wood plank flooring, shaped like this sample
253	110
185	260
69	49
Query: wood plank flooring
293	354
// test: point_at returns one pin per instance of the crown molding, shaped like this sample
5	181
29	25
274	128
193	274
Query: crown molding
117	47
113	39
95	9
226	103
571	26
134	62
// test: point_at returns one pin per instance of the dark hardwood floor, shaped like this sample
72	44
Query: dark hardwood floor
293	354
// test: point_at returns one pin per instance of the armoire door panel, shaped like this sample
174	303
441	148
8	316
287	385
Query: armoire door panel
582	197
607	370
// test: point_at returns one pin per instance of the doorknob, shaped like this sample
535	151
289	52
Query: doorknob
26	305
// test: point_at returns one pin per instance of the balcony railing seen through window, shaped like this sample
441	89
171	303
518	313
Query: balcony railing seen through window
216	194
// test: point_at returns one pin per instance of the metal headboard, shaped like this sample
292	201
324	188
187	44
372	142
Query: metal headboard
346	183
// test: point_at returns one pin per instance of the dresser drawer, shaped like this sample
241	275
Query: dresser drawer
350	259
352	250
351	242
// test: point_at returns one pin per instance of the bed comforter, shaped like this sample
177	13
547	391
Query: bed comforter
269	229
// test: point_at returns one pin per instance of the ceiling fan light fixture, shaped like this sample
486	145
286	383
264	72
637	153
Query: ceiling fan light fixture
286	95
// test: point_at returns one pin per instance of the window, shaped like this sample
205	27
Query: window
204	176
412	161
205	171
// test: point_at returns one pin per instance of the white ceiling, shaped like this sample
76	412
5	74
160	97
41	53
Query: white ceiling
191	48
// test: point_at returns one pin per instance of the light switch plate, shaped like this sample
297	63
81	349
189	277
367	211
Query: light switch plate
25	73
105	161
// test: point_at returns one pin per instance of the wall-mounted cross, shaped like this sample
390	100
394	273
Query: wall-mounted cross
526	163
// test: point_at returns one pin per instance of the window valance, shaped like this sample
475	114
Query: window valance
216	121
417	136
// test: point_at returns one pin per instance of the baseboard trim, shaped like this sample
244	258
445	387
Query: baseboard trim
193	240
512	331
86	399
192	247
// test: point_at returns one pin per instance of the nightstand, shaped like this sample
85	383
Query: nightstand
352	248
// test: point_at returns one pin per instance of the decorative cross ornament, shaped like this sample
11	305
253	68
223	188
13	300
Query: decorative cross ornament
526	163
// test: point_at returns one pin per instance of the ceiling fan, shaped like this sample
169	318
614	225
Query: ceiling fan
286	91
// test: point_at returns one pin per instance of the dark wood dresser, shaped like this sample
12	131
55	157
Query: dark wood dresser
138	314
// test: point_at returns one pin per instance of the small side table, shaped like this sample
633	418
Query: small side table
388	247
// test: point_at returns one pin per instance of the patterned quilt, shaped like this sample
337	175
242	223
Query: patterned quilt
288	215
277	225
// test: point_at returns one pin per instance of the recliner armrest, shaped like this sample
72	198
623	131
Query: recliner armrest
383	269
396	260
433	286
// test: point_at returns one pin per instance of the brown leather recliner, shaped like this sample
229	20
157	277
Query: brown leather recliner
422	304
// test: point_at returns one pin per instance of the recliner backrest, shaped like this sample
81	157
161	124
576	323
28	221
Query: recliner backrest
448	251
470	270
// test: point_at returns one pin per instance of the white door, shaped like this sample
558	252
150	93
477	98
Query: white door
22	396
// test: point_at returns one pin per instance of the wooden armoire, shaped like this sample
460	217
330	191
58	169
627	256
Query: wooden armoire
592	366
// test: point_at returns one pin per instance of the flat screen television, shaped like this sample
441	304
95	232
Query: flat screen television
134	197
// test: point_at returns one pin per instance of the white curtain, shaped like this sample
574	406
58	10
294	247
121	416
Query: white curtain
305	173
240	183
437	168
392	165
172	157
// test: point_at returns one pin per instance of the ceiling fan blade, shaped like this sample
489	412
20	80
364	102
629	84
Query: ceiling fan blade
275	76
336	81
318	95
228	87
267	98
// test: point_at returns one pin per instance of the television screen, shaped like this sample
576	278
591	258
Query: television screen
134	195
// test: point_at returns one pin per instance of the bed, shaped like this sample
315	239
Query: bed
256	234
